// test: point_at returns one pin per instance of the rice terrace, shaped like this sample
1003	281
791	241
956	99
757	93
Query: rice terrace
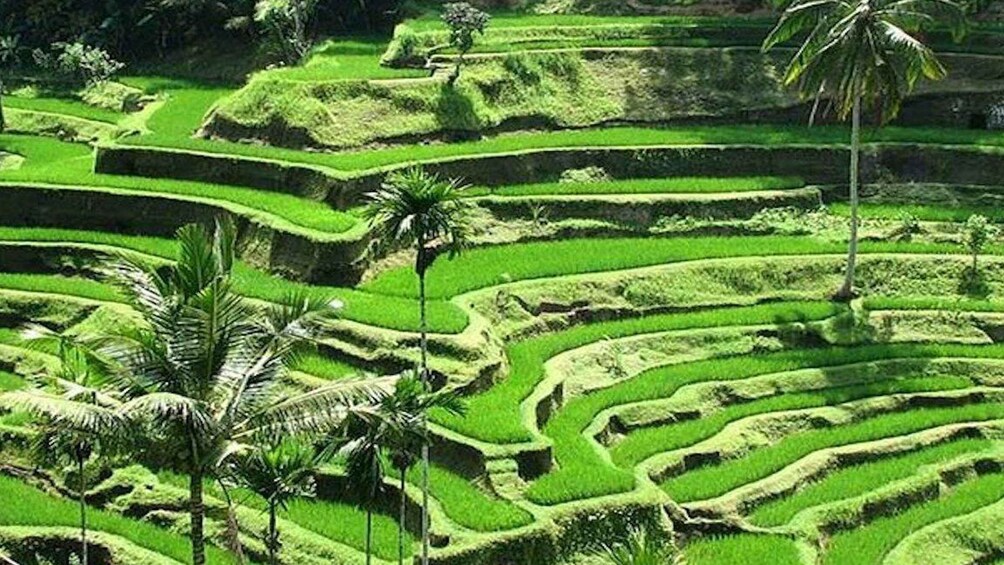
502	282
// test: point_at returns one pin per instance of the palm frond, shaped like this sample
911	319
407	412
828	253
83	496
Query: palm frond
162	408
321	409
414	207
862	49
81	417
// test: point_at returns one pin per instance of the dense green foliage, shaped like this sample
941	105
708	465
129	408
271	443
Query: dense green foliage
687	337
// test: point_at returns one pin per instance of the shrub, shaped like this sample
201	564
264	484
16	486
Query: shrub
977	232
286	21
464	21
78	63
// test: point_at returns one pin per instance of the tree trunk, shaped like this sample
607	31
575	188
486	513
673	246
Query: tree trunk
3	120
273	535
425	423
423	329
847	289
197	510
400	522
82	485
424	342
369	534
456	69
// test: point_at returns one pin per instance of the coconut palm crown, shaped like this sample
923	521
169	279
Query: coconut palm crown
863	49
202	371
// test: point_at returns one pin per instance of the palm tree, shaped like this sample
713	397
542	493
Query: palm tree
279	473
202	371
363	443
641	549
408	406
393	430
76	414
417	208
861	51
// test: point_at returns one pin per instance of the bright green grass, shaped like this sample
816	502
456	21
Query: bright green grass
10	381
583	473
57	162
347	524
158	247
185	107
494	415
861	479
343	59
67	106
324	367
513	18
398	313
56	284
644	443
26	506
601	137
490	266
674	185
467	505
712	481
959	304
924	212
10	336
871	542
383	311
336	521
743	549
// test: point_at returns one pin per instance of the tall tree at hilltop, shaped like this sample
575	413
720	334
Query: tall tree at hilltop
862	52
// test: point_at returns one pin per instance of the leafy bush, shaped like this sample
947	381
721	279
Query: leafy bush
78	63
464	21
287	22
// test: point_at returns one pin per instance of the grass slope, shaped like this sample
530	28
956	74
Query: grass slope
26	506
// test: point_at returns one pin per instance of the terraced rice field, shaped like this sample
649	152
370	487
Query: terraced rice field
643	331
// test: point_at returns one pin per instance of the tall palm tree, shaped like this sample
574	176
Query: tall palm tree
279	473
391	431
408	406
202	371
75	413
419	209
859	52
365	438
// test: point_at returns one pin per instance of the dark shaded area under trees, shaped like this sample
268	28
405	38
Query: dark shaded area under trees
133	30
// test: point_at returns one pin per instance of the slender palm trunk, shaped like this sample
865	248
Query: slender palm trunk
400	522
424	343
847	289
82	485
423	329
369	534
197	513
273	535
